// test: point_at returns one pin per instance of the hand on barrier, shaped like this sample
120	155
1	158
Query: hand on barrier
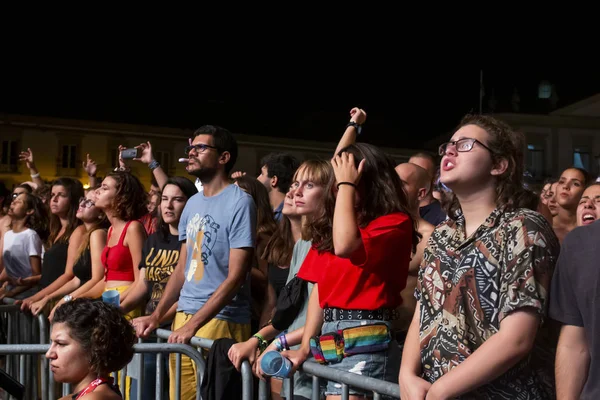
413	387
51	315
239	352
26	303
182	335
297	357
256	368
39	306
144	326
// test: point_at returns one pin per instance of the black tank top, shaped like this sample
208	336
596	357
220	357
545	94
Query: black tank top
82	268
53	266
278	277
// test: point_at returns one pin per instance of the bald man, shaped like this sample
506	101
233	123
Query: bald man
417	186
430	208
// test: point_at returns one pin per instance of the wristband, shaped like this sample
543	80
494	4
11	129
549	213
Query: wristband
346	183
278	344
262	343
284	342
36	175
153	165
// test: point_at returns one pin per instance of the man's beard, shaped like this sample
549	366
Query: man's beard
204	174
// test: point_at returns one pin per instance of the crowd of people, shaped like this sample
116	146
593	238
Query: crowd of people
446	274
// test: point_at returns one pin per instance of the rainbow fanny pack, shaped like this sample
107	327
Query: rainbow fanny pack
332	347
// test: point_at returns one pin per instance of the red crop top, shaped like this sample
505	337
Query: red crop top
118	265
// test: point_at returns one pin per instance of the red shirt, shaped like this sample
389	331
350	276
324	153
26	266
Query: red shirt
373	276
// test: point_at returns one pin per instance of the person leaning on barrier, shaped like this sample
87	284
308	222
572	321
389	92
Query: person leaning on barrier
89	340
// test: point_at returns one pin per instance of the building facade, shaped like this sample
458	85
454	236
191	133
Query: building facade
60	145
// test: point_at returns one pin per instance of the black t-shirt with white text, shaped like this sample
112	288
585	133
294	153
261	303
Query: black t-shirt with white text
159	257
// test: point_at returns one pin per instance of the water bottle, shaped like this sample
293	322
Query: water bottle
274	364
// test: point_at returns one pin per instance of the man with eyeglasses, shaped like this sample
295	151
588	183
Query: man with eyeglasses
211	282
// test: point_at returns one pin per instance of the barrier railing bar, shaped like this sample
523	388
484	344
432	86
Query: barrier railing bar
159	374
178	376
247	382
316	392
349	378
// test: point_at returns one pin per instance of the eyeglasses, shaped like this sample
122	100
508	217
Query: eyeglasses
461	145
86	203
200	148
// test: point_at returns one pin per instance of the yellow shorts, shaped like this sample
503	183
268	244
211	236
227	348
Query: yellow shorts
214	329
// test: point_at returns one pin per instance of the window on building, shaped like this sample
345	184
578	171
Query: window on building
535	161
69	156
164	159
582	158
10	155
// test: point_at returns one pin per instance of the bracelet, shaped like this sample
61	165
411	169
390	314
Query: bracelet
356	126
278	344
346	183
262	343
284	342
36	175
153	165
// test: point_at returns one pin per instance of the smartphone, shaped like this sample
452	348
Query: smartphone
128	154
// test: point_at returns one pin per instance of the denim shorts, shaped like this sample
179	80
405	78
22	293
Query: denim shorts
383	365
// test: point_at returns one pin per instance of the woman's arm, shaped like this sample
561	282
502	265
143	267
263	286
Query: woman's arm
95	286
74	242
134	239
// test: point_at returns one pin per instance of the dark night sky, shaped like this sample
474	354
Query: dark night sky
277	96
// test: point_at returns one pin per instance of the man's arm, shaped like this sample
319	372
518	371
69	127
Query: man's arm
572	362
239	262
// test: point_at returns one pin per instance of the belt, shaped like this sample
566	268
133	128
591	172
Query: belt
340	314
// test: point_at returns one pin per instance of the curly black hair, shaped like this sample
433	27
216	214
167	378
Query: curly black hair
102	330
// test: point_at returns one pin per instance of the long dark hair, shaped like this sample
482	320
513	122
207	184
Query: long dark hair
38	221
265	222
74	190
101	223
505	143
280	246
188	188
380	188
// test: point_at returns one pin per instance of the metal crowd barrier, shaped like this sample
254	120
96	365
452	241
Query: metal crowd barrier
23	349
17	364
346	379
19	328
38	378
246	370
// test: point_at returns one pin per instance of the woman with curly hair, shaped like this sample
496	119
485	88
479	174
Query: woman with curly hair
123	199
89	340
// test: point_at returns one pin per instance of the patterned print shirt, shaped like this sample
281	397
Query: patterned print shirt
466	287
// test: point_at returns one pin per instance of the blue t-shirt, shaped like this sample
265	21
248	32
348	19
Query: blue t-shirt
211	226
